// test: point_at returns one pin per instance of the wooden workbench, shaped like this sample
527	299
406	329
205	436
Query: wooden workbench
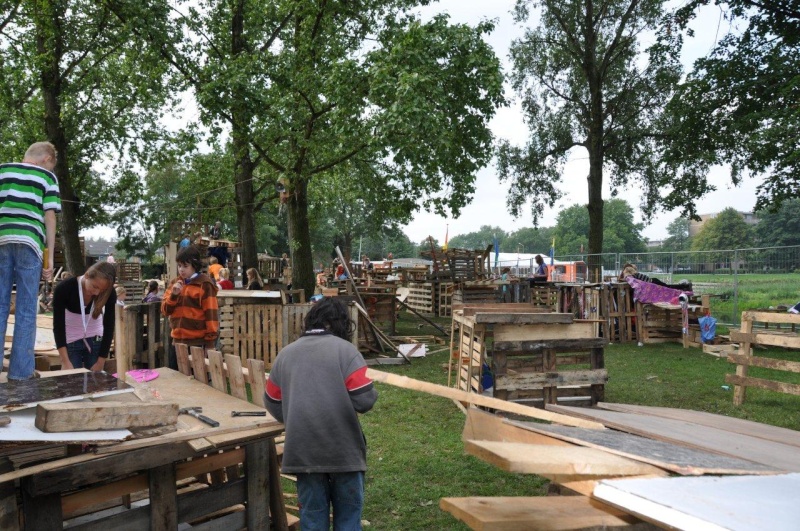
77	489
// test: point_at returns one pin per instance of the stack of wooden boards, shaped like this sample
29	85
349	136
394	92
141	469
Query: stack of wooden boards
536	356
651	444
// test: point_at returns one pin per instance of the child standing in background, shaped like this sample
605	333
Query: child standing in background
190	302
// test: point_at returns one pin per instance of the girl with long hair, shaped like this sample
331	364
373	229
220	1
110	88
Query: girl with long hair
83	317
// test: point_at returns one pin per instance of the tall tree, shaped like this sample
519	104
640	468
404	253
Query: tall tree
678	239
621	233
585	84
741	104
529	239
73	75
478	239
307	86
779	228
727	230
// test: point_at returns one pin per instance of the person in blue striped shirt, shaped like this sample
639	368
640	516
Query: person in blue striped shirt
29	202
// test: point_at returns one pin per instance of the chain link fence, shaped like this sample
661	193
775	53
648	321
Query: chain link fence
736	279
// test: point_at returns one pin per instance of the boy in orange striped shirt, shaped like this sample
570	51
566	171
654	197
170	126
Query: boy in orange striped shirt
191	305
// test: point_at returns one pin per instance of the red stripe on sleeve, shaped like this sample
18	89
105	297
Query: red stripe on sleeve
357	379
273	391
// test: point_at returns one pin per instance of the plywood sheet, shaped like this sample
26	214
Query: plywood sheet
732	424
739	503
550	513
781	456
548	460
17	394
672	457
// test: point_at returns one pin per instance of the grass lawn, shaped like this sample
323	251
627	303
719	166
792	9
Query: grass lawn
416	456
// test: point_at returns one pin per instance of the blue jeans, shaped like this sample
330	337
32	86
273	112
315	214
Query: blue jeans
318	492
80	356
20	264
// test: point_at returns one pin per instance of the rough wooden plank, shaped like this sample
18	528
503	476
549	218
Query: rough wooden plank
579	330
258	485
476	399
572	461
108	491
502	317
216	366
551	513
761	383
258	380
767	339
198	359
672	457
182	354
769	317
780	456
235	376
85	416
767	363
532	380
731	424
514	307
163	498
538	345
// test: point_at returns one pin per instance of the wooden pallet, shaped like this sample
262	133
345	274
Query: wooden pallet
421	297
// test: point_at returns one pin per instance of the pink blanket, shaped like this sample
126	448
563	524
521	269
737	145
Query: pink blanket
648	293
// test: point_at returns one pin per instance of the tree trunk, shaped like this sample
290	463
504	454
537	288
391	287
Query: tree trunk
300	238
243	163
49	44
594	144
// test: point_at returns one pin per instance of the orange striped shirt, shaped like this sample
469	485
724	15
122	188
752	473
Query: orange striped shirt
194	313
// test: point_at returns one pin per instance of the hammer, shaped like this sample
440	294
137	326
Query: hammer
195	412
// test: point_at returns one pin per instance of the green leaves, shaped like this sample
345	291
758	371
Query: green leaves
584	82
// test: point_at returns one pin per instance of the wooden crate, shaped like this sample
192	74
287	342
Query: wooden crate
617	308
475	294
536	357
664	323
544	294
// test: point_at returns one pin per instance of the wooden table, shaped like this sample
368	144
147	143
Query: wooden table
55	491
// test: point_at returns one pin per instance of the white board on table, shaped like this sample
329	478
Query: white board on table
23	429
709	503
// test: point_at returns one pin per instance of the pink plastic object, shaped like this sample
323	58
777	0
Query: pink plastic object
141	375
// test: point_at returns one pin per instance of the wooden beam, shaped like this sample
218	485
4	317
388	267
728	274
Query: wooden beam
544	513
478	400
767	363
761	383
87	416
535	380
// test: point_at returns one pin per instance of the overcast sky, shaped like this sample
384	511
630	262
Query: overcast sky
489	202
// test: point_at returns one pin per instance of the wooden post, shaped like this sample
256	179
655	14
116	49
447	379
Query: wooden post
745	349
153	312
258	492
122	345
163	498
